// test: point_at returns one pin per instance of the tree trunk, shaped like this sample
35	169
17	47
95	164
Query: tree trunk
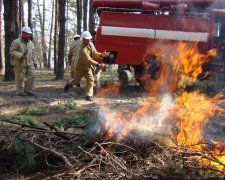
43	38
42	23
91	19
30	15
11	33
50	37
67	27
56	37
61	44
79	16
85	17
1	63
21	14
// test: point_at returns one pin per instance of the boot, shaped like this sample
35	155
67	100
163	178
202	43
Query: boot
89	98
66	87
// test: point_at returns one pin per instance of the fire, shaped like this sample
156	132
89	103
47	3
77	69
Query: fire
218	158
183	65
110	89
190	61
119	124
162	76
193	111
190	110
121	120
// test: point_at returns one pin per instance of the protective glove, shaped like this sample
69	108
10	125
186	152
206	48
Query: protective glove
101	66
105	54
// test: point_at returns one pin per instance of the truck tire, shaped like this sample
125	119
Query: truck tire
125	77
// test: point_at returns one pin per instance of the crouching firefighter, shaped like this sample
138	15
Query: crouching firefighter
84	64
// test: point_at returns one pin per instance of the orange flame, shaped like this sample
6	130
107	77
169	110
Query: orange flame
218	158
119	124
184	61
191	60
110	89
192	111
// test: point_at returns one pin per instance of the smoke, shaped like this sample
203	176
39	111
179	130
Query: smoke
145	124
217	5
215	131
156	126
156	119
151	121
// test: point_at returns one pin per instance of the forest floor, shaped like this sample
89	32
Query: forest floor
104	159
47	90
49	94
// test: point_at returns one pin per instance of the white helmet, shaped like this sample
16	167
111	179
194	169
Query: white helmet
86	35
26	29
76	36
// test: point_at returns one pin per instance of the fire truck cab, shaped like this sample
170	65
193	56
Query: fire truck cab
131	30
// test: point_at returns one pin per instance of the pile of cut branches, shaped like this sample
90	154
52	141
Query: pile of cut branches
62	154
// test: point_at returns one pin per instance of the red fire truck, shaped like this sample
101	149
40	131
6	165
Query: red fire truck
128	29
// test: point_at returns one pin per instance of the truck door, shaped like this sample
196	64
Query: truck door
217	67
219	33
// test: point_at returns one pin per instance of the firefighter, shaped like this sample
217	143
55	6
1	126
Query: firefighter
21	51
73	52
85	63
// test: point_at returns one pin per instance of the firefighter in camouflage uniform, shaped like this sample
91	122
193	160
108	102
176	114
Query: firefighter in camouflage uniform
84	65
21	52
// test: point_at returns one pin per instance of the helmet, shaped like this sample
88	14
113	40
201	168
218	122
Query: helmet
76	36
26	29
86	35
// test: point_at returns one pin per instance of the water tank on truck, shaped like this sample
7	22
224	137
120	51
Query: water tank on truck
131	29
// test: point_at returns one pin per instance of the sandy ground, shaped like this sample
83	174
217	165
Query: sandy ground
49	91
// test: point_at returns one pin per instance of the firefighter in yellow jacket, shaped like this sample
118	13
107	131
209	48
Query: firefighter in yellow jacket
73	50
85	63
21	52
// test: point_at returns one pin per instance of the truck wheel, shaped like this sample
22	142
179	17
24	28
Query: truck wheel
125	77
